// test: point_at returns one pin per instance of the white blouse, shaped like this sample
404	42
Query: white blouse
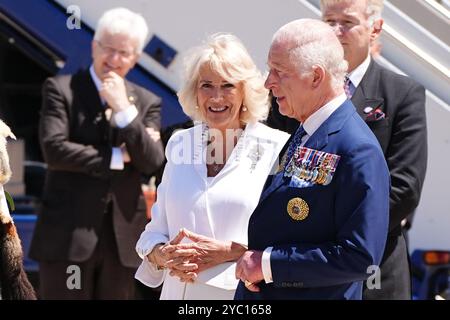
219	208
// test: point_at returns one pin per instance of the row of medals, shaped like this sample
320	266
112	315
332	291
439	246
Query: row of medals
312	165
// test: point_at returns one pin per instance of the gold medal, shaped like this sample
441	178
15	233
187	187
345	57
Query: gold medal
321	176
298	209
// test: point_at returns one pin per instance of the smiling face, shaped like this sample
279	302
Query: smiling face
351	25
291	89
114	52
219	100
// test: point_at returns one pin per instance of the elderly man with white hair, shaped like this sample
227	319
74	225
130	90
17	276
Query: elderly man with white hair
99	133
393	106
320	227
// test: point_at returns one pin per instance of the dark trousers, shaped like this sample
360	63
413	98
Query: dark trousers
102	276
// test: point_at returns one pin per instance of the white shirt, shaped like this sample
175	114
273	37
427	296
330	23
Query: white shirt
217	207
310	125
121	119
359	72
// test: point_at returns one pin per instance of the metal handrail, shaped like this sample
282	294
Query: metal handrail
438	8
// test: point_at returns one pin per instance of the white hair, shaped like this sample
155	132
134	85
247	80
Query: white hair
123	21
313	42
374	8
225	54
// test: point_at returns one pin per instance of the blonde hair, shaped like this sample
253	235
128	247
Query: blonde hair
373	12
225	54
123	21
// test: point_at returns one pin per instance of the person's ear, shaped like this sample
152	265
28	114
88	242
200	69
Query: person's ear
376	29
318	75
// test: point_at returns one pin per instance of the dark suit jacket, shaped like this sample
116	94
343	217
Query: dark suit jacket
403	139
326	255
77	140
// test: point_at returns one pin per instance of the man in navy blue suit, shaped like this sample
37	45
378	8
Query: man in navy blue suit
321	224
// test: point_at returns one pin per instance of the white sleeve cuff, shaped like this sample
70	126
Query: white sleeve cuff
146	243
124	117
149	275
116	159
265	265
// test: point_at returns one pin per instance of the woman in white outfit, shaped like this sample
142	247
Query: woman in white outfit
213	178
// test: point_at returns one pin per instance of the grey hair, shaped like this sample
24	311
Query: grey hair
225	54
374	8
313	42
123	21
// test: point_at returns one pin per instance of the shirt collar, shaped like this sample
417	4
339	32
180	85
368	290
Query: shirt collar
97	81
359	72
315	120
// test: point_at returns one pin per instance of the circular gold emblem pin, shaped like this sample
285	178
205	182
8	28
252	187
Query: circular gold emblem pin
298	209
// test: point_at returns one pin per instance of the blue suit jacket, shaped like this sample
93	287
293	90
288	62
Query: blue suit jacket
326	255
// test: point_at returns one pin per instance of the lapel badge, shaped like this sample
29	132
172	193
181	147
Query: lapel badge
108	113
368	110
298	209
255	155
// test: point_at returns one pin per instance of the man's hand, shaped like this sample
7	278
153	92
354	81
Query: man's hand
249	270
113	92
155	135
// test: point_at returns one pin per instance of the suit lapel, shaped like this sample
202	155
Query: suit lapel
131	94
366	94
275	181
84	86
317	141
272	184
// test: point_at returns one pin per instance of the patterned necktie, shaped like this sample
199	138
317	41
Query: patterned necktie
348	87
295	143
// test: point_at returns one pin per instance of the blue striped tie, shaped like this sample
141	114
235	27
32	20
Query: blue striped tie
348	87
295	143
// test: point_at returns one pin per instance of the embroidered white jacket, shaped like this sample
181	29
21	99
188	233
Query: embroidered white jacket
219	208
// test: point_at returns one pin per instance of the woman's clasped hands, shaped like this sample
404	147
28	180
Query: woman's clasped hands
185	260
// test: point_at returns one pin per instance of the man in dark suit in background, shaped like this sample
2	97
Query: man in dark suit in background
393	106
99	133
